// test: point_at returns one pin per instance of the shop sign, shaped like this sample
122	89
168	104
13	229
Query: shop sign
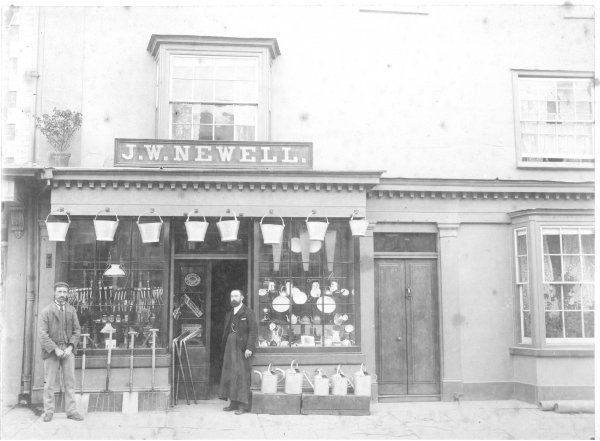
212	154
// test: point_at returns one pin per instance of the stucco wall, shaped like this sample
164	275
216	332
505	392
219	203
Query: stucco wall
416	95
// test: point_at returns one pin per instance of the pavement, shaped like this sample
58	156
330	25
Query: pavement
416	420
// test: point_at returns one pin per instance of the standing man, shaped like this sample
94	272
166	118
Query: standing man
239	339
59	334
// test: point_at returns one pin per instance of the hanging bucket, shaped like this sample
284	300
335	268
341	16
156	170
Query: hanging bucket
150	231
228	229
106	229
316	230
57	231
272	233
196	230
358	226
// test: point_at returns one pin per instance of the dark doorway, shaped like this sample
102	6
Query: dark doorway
227	275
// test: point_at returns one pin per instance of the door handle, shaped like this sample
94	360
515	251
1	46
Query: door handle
399	339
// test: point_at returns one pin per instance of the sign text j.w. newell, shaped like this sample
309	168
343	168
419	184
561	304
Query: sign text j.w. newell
212	154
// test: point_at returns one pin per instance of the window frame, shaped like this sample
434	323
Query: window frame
521	338
547	74
165	47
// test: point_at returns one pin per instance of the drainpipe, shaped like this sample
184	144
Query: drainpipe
36	75
30	293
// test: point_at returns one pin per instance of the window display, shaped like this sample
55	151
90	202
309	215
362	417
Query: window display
306	290
135	301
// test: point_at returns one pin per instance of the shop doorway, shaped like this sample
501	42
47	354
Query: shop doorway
226	275
408	339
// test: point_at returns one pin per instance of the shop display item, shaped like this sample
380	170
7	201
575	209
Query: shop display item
195	229
339	383
150	231
320	383
272	233
358	226
57	231
316	229
105	229
362	382
269	379
228	229
281	303
293	379
326	304
315	290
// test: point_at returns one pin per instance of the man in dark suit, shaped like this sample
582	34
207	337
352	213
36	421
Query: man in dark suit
239	339
59	334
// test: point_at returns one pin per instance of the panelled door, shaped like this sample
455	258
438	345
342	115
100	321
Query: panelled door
408	336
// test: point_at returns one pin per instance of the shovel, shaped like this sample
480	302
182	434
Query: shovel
108	329
132	335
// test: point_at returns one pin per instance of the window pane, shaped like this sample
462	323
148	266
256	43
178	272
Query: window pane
521	244
224	91
206	114
589	267
182	131
554	324
551	244
526	324
185	72
206	133
587	294
523	269
182	113
529	109
223	115
570	241
223	133
572	296
572	268
182	90
204	72
405	242
552	269
588	324
552	297
245	133
226	71
245	91
573	324
245	115
246	72
583	110
525	297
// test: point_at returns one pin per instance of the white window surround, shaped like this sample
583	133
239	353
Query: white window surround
545	75
522	286
534	222
163	47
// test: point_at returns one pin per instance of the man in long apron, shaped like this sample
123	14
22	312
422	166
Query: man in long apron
239	339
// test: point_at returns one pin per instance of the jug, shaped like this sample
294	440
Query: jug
269	380
293	379
294	319
362	382
339	382
321	383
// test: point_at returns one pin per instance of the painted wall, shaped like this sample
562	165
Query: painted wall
416	95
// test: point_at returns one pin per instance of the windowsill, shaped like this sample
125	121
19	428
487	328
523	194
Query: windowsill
325	357
554	165
578	352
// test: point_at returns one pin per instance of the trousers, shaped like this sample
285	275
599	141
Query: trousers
51	374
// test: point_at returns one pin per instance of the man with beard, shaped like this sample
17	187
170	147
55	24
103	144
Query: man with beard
239	339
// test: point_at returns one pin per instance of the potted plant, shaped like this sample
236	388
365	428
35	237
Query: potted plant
58	128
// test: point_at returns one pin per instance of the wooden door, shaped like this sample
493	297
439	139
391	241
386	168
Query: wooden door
408	338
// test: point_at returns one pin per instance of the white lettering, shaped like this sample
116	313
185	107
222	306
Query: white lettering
246	151
265	156
181	153
153	151
201	153
130	155
225	152
286	155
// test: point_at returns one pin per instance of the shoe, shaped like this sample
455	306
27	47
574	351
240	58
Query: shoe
230	408
48	417
75	416
241	411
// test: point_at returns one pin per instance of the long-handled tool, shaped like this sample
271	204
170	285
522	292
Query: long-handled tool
174	375
181	371
132	335
85	337
187	359
154	331
108	329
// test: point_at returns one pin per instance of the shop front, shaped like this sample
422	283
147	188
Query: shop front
186	237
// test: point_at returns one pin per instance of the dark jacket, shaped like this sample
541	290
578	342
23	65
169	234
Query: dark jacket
247	328
50	332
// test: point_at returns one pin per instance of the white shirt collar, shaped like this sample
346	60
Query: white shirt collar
237	308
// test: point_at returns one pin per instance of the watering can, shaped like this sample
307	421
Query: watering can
293	379
362	382
339	382
320	383
269	380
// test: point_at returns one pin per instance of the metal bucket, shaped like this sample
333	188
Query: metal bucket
196	230
316	230
358	226
106	229
228	229
272	234
57	231
150	231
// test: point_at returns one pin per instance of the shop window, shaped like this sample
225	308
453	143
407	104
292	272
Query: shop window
555	120
522	279
405	242
307	291
568	283
213	88
135	302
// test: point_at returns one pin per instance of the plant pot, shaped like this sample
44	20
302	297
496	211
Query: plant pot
59	159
